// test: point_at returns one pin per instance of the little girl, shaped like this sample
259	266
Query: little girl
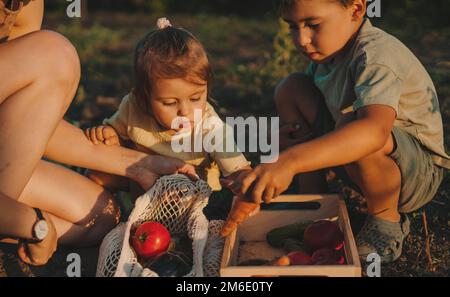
172	76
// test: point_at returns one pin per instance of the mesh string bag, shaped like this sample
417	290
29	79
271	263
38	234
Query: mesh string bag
176	202
214	249
110	251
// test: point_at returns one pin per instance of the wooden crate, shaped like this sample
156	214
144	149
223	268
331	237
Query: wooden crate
255	228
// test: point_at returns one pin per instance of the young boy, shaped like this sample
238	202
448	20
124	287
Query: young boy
366	103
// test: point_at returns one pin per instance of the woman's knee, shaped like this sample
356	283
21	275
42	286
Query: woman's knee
50	64
55	60
60	56
104	216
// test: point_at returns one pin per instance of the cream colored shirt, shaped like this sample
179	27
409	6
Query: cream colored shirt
132	123
377	68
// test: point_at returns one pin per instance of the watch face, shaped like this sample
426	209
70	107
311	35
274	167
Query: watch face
41	229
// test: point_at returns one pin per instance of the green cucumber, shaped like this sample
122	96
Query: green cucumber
278	236
294	245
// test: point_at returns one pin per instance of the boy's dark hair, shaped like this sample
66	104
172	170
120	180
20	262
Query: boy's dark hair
284	5
167	54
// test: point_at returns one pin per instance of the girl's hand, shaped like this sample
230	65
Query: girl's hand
150	168
102	134
266	181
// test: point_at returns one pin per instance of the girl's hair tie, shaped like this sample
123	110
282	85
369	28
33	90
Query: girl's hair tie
163	23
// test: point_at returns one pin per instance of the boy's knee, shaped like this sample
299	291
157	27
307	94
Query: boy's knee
291	86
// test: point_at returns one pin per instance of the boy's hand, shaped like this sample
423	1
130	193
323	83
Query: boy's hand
103	134
242	207
267	181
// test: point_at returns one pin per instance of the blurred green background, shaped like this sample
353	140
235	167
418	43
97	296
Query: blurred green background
249	47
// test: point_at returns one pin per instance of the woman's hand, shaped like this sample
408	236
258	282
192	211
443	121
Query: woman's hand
149	169
102	134
39	253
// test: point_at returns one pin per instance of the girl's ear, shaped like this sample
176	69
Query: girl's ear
358	9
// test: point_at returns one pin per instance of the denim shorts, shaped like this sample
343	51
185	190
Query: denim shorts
420	177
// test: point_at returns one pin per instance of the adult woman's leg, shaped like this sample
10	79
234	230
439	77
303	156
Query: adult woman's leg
40	73
82	211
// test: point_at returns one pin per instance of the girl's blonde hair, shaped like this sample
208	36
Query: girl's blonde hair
168	53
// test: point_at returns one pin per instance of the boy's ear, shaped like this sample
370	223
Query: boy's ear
358	9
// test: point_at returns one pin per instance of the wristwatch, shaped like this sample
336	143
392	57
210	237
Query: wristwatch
40	228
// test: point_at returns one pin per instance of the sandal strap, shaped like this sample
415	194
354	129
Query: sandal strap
383	237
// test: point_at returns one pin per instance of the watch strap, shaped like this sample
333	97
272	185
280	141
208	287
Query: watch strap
38	214
39	218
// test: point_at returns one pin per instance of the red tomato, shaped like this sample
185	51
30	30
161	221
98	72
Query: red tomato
299	258
327	256
323	234
150	239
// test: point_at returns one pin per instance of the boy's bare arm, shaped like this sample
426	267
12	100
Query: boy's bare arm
353	141
365	135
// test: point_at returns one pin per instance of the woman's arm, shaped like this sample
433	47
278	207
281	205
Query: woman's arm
16	219
70	146
29	19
